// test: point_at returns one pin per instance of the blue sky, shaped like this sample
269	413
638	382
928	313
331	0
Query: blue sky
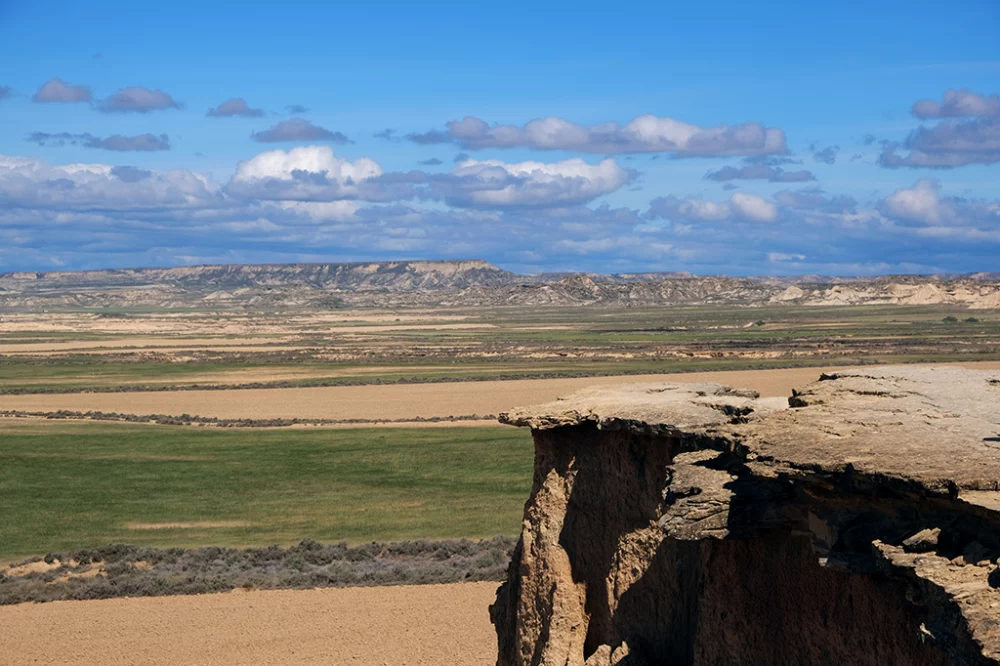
740	138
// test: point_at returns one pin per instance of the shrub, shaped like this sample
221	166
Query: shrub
308	564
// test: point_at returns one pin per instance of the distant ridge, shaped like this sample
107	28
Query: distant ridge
420	274
463	283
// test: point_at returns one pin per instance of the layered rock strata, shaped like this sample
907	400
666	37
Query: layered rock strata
857	522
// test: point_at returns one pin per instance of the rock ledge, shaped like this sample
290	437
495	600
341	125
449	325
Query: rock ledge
856	522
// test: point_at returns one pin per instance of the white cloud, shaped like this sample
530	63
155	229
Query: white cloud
281	164
137	99
309	202
322	211
950	143
305	173
920	203
958	104
58	90
298	129
754	207
778	257
968	134
496	183
236	106
939	216
645	134
739	207
33	183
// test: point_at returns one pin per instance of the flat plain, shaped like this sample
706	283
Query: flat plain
71	484
76	484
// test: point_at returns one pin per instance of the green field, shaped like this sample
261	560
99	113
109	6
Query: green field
66	486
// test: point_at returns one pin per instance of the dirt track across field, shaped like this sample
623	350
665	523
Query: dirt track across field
401	626
399	401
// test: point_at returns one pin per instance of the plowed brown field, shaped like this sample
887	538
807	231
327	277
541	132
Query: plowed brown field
401	626
399	401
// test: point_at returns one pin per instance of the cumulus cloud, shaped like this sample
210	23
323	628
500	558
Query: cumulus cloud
6	92
298	129
305	173
58	90
137	99
968	134
741	206
496	183
314	173
431	162
117	142
827	155
237	106
958	104
645	134
950	143
35	184
922	204
753	207
759	172
308	204
296	108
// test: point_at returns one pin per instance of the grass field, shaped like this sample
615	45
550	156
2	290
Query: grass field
79	485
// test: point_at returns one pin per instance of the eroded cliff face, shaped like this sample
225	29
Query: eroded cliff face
696	524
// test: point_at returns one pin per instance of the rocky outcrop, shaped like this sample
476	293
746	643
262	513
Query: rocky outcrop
857	522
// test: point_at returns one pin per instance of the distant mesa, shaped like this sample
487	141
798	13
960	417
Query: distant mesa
467	283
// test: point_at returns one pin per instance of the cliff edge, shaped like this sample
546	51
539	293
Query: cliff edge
857	522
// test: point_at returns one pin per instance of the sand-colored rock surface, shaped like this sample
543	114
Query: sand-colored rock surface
935	425
858	523
401	626
390	402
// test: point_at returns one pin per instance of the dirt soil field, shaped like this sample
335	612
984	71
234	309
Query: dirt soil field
402	626
391	401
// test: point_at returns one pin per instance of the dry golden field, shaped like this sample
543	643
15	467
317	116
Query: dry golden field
391	402
427	625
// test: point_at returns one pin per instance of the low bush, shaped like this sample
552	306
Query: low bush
129	571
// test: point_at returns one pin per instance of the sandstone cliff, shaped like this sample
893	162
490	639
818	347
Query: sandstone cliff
858	522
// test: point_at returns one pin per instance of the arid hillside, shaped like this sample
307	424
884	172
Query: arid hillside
472	283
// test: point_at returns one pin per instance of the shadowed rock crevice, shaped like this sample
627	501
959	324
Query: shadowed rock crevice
701	525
